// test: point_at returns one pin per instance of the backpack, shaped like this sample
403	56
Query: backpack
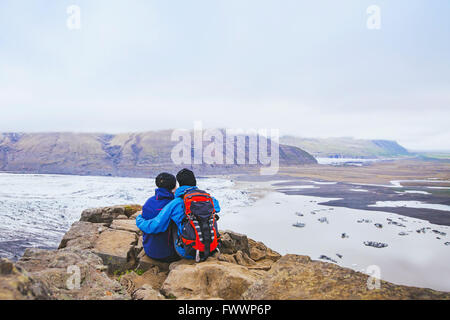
200	235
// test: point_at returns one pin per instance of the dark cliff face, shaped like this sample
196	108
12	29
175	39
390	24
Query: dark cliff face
130	154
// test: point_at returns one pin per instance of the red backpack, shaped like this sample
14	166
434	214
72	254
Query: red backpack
200	234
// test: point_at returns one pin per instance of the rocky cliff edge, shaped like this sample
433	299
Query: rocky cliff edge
101	257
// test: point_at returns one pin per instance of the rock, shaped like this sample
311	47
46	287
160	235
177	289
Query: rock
375	244
81	235
131	209
146	292
134	215
6	267
232	242
17	284
378	225
209	279
260	266
295	277
261	257
243	259
175	264
60	269
323	219
259	251
227	258
344	236
395	223
133	281
117	249
324	257
145	263
298	225
439	233
108	214
125	225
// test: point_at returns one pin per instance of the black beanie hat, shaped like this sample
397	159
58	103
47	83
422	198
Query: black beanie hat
166	180
185	177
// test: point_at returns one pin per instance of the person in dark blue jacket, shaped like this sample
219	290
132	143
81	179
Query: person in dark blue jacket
159	246
174	211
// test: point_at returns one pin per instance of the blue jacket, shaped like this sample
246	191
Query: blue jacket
158	245
173	211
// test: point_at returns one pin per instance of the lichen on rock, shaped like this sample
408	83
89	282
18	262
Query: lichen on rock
17	284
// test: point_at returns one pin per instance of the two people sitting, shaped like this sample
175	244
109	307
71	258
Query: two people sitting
179	222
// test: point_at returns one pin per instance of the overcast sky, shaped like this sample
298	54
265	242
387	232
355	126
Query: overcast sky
308	68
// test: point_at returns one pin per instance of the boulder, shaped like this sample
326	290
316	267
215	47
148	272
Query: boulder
175	264
17	284
133	281
146	263
146	292
232	242
209	279
117	249
134	215
259	251
72	274
6	267
108	214
81	235
226	257
125	225
260	257
243	259
295	277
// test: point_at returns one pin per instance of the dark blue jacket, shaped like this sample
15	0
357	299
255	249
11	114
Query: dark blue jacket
174	211
158	245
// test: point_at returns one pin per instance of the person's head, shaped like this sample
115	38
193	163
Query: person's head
166	180
185	177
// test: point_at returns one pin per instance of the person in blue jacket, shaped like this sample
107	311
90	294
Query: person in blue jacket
174	211
159	246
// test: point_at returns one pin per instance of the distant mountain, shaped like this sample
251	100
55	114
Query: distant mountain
130	154
346	147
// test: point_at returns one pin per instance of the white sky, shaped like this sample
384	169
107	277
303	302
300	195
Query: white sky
307	68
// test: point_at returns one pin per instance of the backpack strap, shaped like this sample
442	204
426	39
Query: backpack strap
173	232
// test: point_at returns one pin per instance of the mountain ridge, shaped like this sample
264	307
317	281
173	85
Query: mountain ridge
124	154
347	147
